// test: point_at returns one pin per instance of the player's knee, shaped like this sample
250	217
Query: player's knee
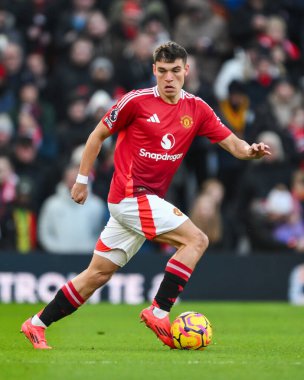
201	241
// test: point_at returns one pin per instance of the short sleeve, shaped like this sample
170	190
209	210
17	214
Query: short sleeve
121	114
210	124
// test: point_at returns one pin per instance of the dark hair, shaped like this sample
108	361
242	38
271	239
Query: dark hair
237	87
169	52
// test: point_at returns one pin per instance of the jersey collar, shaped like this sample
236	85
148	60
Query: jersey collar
156	93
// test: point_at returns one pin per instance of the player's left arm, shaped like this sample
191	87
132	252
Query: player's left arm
242	150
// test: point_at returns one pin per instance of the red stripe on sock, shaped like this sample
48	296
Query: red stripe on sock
181	265
76	294
146	217
69	297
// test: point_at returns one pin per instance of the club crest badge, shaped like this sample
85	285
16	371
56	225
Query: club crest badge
177	211
186	121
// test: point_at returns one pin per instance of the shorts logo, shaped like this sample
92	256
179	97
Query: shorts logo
186	121
168	141
113	114
177	212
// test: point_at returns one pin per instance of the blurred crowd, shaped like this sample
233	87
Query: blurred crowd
63	63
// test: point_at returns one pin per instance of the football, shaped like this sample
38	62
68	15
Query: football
191	331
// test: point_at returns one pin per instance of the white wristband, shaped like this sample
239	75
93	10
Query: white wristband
82	179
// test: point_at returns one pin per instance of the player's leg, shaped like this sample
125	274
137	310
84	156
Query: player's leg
74	293
68	299
116	245
160	221
191	243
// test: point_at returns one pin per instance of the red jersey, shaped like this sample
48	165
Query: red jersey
153	138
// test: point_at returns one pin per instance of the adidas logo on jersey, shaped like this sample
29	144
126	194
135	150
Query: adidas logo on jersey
153	119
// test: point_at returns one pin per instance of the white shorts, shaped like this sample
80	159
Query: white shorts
132	221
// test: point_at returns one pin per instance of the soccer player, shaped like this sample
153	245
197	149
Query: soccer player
155	128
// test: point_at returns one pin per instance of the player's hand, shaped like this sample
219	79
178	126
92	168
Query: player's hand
259	150
79	193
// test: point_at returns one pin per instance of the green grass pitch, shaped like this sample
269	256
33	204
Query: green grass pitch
250	341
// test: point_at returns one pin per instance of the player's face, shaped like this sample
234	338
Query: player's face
170	79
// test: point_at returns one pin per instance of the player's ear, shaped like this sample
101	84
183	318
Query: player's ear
187	69
154	69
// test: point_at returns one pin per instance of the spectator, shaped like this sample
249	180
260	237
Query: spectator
295	11
13	61
125	18
282	47
8	181
282	101
72	23
235	110
64	226
73	76
35	118
205	34
239	67
6	132
97	30
275	34
97	106
30	166
206	210
296	128
277	222
196	84
135	67
18	224
8	30
263	78
103	77
273	170
275	115
236	114
36	64
297	187
33	18
157	9
7	96
250	20
75	128
155	26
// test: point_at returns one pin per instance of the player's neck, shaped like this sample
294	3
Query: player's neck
170	99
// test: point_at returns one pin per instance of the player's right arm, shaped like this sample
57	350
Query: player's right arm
92	148
119	116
